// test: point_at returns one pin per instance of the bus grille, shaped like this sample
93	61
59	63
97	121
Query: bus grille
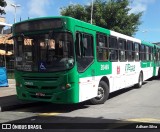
40	78
31	87
42	87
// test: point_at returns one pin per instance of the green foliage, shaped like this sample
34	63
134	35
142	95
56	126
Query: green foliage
76	11
111	14
2	4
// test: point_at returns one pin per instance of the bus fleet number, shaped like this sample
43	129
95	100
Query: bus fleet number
104	67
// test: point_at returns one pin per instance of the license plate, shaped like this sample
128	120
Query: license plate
40	94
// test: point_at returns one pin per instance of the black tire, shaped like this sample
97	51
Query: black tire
140	81
103	94
158	73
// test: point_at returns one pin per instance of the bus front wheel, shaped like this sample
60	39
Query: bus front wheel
103	93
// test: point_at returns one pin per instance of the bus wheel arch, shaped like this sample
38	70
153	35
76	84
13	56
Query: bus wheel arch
103	92
140	80
105	79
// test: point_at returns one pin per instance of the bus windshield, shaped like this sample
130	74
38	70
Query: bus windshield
44	52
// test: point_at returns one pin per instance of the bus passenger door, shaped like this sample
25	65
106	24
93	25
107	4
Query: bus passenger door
85	63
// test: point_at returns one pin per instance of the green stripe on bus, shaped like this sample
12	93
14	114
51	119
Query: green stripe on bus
147	64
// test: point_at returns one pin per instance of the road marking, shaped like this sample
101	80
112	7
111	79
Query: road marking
149	120
48	114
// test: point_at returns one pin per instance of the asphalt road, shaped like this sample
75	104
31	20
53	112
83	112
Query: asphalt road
129	105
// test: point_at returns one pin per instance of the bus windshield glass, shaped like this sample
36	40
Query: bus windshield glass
44	52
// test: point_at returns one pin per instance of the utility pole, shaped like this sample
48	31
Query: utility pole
91	11
15	11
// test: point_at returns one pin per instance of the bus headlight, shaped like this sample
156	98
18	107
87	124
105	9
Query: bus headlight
67	86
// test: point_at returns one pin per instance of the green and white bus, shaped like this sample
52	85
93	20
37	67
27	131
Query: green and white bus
65	60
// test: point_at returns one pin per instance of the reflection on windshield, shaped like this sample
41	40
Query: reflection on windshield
44	52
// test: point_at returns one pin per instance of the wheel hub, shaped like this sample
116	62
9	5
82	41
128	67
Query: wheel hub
100	93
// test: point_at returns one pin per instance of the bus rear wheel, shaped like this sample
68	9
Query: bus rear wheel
103	93
158	73
140	81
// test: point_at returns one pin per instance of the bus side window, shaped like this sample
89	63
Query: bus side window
157	54
102	47
136	48
133	51
151	53
113	48
142	52
130	50
78	44
147	53
87	46
122	49
84	50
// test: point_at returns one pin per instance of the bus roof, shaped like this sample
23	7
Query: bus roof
92	27
147	43
125	37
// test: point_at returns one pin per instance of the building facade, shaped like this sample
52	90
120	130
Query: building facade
6	46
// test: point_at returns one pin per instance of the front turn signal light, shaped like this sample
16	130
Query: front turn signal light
68	85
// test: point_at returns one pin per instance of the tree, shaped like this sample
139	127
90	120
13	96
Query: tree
2	4
113	15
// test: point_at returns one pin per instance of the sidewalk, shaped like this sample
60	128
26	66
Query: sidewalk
10	90
8	98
